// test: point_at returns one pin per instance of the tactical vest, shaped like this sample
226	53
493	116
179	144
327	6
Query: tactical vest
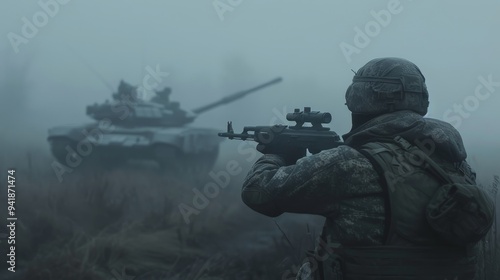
425	221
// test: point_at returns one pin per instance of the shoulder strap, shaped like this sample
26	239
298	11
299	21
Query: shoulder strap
430	164
370	150
393	160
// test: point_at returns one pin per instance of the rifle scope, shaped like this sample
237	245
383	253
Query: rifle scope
309	117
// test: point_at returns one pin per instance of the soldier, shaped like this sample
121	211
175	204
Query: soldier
163	97
126	93
388	98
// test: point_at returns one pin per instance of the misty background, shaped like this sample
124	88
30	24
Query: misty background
49	81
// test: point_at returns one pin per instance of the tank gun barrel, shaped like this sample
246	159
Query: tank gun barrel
235	96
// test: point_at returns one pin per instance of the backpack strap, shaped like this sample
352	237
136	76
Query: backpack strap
370	151
429	165
390	160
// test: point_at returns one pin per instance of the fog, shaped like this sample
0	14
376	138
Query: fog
59	56
209	53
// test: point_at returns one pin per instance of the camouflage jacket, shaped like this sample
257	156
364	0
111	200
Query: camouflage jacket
341	184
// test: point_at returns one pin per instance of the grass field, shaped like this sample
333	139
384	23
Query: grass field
112	224
125	223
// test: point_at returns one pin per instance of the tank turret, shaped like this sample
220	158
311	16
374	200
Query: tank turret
128	110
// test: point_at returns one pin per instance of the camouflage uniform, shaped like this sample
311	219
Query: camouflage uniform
341	183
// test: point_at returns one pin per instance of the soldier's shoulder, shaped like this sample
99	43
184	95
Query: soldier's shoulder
440	123
433	125
344	151
344	157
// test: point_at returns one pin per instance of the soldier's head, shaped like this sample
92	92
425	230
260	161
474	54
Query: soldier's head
126	89
386	85
123	86
164	92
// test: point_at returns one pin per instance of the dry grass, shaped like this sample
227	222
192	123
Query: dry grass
489	257
106	224
109	224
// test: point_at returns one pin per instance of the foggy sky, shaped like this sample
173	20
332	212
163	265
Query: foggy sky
208	57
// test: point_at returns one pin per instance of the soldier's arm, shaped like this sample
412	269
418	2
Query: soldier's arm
310	186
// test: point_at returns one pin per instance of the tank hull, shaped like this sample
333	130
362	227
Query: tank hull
171	147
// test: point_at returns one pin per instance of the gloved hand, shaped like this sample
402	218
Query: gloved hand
289	154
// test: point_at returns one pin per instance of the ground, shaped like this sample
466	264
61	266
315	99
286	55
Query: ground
125	223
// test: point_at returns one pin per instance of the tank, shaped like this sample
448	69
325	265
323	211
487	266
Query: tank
130	128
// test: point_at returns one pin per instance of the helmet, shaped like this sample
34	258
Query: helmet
386	85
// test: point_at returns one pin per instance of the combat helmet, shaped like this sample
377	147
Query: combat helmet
385	85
